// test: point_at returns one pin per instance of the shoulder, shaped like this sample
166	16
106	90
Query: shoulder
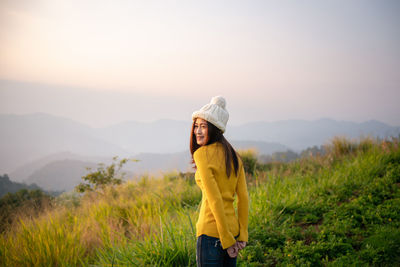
207	150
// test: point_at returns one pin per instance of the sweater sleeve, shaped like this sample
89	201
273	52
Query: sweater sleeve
243	206
214	197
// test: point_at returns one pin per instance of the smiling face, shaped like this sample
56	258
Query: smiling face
200	130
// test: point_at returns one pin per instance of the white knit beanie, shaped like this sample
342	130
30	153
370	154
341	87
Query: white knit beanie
214	112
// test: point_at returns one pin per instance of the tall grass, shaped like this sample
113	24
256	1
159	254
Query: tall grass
141	223
46	241
340	208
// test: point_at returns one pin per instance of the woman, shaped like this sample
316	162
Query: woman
220	232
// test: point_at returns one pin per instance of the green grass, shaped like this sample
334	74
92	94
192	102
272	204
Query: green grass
335	210
339	209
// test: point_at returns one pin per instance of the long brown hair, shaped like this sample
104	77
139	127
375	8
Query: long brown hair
216	135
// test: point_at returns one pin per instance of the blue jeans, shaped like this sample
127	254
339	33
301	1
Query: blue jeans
210	253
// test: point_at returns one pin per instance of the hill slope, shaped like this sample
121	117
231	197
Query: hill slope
340	209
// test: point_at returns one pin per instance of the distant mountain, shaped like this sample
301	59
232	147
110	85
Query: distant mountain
25	138
22	173
152	163
300	134
63	171
161	136
261	147
62	175
40	147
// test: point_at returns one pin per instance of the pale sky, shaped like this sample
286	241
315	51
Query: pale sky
101	62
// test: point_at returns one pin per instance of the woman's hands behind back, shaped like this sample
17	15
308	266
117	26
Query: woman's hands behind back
233	250
241	244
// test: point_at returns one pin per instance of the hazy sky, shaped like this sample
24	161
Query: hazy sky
102	62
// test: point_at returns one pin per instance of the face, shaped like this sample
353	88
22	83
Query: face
201	131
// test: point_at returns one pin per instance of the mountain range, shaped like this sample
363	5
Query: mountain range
37	148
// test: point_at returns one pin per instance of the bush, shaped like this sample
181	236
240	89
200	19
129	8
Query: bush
249	159
103	176
24	202
383	247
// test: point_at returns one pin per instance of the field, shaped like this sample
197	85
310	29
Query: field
337	209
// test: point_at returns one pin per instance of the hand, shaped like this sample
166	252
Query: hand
233	251
241	244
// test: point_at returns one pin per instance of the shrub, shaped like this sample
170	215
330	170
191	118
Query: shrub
22	203
249	159
383	247
103	176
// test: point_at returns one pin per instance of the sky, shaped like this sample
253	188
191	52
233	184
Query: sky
102	62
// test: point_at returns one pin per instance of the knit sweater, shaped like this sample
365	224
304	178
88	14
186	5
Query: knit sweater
217	216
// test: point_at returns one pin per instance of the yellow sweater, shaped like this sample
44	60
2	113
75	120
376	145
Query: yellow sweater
217	214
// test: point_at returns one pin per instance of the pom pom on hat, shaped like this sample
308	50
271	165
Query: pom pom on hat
218	100
214	112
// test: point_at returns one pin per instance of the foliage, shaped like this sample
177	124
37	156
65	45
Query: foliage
24	202
107	228
249	159
103	176
340	209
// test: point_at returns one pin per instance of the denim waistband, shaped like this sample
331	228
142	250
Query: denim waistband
216	239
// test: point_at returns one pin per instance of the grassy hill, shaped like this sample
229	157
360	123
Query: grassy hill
339	209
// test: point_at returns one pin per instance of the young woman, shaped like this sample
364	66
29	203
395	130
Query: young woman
220	232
